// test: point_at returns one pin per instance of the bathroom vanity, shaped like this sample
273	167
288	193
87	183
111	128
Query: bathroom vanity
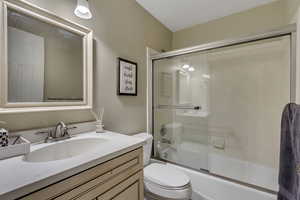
119	178
109	168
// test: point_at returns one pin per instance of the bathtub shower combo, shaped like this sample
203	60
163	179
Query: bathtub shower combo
216	111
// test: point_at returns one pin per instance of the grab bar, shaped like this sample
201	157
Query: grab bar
179	107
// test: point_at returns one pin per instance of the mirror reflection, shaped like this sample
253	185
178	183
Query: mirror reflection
45	62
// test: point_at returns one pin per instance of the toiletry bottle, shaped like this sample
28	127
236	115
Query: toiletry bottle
99	127
3	136
99	124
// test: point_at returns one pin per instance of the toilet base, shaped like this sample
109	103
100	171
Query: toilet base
150	196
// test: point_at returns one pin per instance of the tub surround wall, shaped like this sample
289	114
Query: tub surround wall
121	29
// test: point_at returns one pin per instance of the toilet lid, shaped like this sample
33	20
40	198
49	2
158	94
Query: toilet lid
166	176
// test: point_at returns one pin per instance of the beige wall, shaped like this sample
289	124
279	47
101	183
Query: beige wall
291	10
251	21
121	28
293	16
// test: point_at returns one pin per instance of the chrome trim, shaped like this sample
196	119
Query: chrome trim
229	42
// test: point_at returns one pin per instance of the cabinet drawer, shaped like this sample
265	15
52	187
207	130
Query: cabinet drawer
101	184
116	169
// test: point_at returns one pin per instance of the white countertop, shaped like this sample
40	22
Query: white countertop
19	177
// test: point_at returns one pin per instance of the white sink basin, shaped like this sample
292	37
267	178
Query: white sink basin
65	149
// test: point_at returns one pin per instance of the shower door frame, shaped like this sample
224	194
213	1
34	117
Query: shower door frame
289	30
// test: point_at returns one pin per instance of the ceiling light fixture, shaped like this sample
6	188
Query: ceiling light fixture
82	9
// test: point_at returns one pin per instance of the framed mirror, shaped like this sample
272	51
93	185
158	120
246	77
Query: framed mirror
47	61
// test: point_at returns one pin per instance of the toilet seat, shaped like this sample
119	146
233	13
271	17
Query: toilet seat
167	182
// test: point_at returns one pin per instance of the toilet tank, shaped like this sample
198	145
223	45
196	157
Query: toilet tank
147	146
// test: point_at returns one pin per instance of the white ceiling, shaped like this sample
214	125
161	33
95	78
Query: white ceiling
180	14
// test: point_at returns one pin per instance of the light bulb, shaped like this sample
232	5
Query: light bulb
82	9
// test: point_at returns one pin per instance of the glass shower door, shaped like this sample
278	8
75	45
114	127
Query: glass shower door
181	98
219	110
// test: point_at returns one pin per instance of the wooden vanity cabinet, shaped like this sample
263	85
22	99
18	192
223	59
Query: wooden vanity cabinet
118	179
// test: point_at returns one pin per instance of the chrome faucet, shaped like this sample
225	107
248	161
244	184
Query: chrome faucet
61	126
60	132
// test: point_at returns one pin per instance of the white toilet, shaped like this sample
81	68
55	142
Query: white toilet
163	182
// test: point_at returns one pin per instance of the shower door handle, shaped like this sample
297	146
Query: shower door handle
179	107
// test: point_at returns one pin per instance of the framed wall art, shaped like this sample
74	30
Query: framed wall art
127	80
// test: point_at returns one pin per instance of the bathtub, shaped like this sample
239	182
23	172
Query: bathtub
206	187
199	156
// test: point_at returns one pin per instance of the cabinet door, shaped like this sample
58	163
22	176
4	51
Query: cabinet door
130	189
131	193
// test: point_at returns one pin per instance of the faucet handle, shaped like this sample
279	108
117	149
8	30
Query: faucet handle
66	131
71	127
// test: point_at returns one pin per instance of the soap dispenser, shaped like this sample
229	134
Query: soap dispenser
3	136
